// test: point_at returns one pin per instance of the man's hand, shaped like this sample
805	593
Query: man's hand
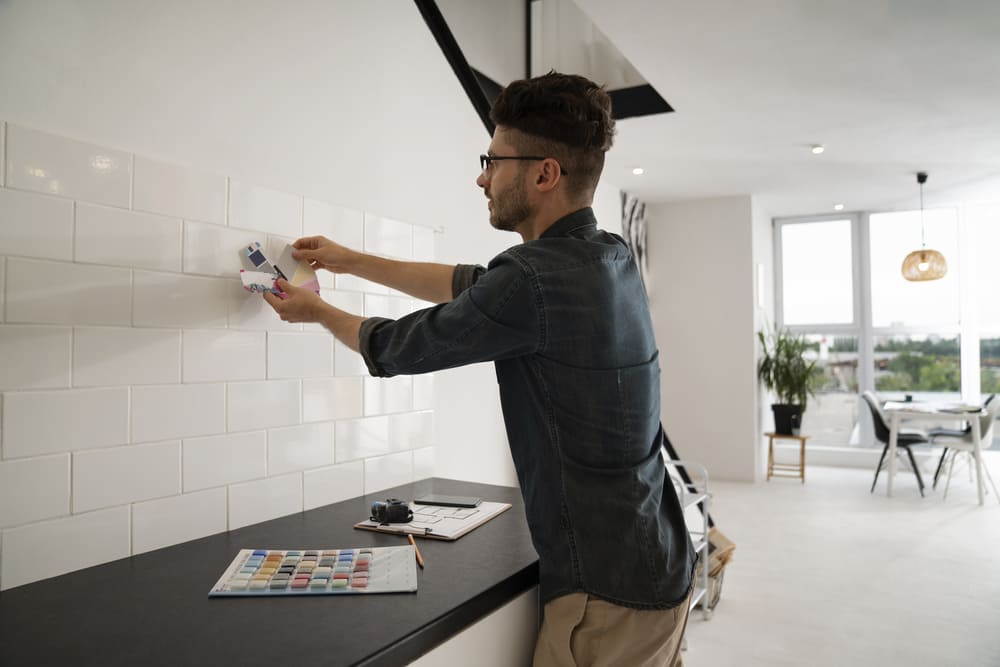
322	253
303	305
298	305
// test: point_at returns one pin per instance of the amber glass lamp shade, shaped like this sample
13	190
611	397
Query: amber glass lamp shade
924	264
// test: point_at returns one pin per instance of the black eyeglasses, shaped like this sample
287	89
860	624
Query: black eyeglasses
485	161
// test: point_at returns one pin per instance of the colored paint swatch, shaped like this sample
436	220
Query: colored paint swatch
263	572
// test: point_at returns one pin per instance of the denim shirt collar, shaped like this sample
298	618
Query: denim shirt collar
570	223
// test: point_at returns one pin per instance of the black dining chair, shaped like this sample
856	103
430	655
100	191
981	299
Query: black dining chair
905	439
936	433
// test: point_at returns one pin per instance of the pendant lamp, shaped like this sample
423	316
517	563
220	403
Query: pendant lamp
924	264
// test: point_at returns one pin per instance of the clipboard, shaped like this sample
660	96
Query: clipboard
438	522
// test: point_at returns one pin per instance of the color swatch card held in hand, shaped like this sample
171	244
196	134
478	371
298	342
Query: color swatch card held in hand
259	273
319	572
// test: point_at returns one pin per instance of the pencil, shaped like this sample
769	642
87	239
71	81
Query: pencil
416	552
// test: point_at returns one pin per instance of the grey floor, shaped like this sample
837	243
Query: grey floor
826	574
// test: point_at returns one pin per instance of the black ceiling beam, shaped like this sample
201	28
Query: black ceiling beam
453	54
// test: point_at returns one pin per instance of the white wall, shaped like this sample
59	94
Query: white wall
148	400
702	299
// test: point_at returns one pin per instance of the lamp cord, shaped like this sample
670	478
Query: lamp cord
923	243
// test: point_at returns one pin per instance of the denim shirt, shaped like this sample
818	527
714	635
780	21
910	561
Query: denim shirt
566	321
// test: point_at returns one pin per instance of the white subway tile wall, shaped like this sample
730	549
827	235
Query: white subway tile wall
60	166
36	226
46	422
147	398
292	355
112	236
44	292
35	357
107	356
179	192
120	475
264	209
167	521
264	499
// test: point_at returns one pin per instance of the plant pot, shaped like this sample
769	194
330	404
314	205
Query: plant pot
787	418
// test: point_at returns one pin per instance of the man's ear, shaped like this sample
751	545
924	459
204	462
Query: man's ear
548	175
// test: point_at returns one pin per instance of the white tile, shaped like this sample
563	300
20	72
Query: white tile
268	404
214	249
346	226
331	485
113	236
423	244
326	399
120	475
352	302
388	237
68	168
347	362
253	502
172	300
104	356
383	472
423	392
349	283
177	411
177	191
411	430
42	550
33	489
423	463
263	209
386	395
224	355
299	448
167	521
392	307
362	438
303	354
46	422
43	292
249	311
35	225
34	357
224	459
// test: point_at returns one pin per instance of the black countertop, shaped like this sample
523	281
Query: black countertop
154	609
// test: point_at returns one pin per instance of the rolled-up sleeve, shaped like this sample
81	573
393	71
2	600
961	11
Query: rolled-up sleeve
494	316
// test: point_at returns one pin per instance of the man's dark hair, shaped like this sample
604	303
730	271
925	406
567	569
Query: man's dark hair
563	116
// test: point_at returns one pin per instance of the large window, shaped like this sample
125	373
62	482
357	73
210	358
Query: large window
818	285
839	283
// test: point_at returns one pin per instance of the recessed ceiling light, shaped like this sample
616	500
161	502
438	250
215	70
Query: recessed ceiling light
838	207
638	171
817	149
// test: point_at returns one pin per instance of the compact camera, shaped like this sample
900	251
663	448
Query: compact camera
393	510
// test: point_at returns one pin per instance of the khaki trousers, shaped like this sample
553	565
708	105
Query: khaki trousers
583	631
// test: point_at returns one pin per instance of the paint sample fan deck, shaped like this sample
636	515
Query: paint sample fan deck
319	572
259	273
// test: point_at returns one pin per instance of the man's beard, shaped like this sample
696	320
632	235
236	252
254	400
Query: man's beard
511	207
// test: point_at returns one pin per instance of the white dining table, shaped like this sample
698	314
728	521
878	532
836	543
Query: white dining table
906	411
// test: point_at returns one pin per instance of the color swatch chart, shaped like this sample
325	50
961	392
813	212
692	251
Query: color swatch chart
319	572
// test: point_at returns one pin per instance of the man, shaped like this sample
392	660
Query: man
565	319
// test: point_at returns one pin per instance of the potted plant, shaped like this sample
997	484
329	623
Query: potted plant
784	370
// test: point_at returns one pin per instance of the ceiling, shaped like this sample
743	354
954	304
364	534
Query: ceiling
889	87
